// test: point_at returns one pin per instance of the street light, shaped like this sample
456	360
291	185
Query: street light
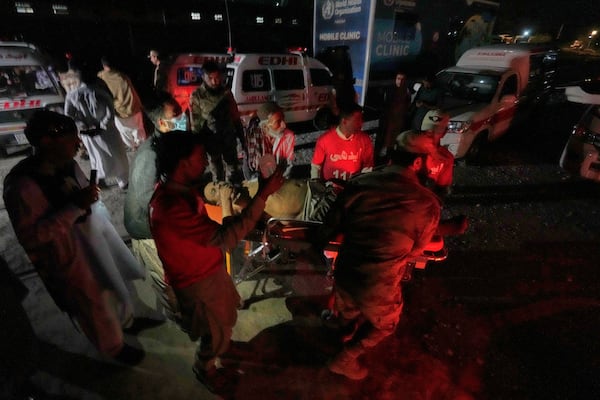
591	37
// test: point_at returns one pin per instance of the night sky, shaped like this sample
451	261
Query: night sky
546	16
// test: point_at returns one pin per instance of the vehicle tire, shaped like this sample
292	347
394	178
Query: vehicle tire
476	153
324	119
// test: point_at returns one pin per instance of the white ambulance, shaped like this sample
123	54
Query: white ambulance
300	85
489	89
27	84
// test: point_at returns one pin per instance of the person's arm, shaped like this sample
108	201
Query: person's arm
73	111
197	121
237	121
285	148
119	96
33	225
104	109
316	165
288	144
315	171
429	222
235	228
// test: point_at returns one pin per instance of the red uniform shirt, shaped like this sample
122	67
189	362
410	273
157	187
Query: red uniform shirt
182	231
189	243
341	158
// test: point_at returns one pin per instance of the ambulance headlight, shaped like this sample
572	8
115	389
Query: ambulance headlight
458	126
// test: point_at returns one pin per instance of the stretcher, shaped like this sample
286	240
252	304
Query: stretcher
284	236
287	233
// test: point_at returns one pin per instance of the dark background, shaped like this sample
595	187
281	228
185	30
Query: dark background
131	27
126	30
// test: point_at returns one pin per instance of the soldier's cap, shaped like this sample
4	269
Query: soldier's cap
432	119
267	109
415	142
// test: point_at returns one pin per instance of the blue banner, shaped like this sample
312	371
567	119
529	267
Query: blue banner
345	23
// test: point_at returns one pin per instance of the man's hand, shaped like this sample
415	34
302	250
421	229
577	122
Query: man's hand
225	192
272	183
226	199
84	198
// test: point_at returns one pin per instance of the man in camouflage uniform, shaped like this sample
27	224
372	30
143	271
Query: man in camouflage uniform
385	216
214	114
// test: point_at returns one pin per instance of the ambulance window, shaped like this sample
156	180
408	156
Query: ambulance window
288	79
26	80
320	77
510	86
189	76
256	80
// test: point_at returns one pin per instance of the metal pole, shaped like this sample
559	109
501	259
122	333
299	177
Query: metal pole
228	25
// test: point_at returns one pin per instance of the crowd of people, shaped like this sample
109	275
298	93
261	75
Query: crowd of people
385	212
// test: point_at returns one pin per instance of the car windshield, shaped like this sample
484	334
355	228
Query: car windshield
25	81
469	87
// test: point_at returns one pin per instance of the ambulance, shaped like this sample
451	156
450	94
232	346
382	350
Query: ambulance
27	84
490	89
300	85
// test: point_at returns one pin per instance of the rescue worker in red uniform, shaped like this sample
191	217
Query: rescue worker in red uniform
345	150
191	246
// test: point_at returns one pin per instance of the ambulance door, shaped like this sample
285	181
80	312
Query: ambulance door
319	90
506	106
290	93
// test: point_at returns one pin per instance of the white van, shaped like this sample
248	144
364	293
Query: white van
488	89
27	84
300	85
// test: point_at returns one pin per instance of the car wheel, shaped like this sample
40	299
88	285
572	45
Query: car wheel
475	154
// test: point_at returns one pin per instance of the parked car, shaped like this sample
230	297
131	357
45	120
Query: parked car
27	83
581	154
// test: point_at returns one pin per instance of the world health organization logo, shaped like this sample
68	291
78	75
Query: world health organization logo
328	9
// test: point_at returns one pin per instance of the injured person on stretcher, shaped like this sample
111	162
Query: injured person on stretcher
293	212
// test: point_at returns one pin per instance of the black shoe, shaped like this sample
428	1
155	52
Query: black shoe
130	355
